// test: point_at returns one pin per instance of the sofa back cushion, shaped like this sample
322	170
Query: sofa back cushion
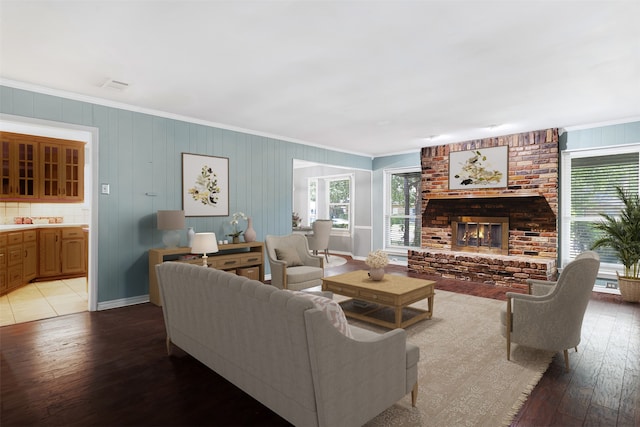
288	255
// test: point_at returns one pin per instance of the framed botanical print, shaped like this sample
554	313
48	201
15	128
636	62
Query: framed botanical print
205	185
480	168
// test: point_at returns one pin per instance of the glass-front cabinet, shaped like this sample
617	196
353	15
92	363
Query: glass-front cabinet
61	167
41	169
18	163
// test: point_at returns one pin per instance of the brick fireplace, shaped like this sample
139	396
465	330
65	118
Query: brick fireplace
528	203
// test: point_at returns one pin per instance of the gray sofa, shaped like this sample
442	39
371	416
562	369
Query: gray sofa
282	350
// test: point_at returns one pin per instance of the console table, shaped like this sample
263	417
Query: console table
244	259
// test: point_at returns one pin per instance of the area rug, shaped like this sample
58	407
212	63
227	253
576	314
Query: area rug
463	374
335	261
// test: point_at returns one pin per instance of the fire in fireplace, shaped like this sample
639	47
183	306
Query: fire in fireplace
480	234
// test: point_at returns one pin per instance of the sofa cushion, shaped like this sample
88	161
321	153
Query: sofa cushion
331	309
304	273
288	255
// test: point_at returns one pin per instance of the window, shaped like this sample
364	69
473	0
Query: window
340	202
329	197
312	200
403	222
589	181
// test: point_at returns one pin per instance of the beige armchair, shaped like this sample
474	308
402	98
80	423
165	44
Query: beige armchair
319	240
292	265
551	317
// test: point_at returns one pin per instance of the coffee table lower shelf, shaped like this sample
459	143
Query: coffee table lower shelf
384	315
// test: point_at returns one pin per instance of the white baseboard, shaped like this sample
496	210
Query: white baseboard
122	302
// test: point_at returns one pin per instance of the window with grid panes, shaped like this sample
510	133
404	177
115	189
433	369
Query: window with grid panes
403	224
340	202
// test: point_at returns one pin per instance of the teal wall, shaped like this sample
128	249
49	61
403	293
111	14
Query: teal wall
605	136
141	153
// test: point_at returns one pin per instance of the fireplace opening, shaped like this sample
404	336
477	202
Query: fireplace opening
480	234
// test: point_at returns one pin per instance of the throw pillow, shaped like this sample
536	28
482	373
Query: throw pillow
289	255
331	309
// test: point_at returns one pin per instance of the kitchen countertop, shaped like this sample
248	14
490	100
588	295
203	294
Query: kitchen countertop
17	227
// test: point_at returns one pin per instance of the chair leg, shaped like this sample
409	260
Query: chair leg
169	346
566	359
414	395
508	328
326	254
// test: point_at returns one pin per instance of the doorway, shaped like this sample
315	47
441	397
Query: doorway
51	293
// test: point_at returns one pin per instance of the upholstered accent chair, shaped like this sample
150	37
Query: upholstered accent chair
292	265
319	240
550	317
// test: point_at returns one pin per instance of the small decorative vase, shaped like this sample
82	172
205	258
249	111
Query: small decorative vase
250	233
236	239
376	274
190	233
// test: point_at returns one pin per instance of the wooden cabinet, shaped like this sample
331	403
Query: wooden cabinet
14	259
245	259
49	253
30	260
18	259
61	172
41	169
72	255
3	263
18	168
62	252
26	255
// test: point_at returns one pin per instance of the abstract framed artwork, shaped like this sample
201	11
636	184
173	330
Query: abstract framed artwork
480	168
205	185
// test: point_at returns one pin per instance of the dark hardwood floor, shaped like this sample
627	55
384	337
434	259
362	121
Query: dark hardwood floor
110	368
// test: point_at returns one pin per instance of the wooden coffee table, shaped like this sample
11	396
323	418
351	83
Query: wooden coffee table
388	299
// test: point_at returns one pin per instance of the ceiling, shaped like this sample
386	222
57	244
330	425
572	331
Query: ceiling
365	77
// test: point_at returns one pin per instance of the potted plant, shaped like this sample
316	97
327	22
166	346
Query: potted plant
235	233
622	234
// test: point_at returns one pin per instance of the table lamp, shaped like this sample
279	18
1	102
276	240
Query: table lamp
204	243
171	222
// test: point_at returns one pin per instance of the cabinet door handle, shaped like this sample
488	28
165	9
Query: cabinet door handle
252	259
230	262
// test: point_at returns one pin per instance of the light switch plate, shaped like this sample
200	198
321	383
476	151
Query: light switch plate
105	189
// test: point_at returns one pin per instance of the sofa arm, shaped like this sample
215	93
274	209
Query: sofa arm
355	380
278	273
540	287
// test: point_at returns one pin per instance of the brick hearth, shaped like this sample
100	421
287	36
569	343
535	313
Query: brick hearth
491	269
530	201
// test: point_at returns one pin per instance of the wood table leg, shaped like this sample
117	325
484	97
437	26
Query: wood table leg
430	303
398	317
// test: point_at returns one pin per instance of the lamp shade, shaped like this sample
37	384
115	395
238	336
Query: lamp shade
204	243
170	220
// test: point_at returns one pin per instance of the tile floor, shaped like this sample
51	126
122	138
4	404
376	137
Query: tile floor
40	300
